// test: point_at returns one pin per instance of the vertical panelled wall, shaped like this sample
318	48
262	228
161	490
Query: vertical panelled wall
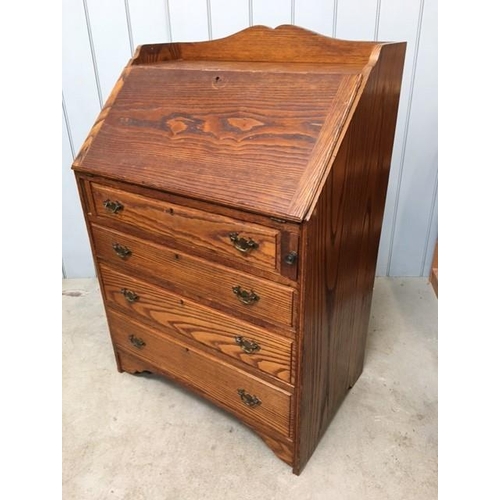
100	36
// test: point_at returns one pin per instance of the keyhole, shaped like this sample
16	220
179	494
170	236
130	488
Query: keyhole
217	81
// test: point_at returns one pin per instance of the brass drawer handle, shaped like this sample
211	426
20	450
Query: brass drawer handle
242	244
121	251
248	399
248	346
136	341
129	295
247	298
113	206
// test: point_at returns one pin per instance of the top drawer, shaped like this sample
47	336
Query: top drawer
189	227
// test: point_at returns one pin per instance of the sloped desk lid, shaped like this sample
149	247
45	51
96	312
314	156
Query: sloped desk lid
254	135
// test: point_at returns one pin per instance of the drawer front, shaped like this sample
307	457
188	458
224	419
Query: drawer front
182	317
235	389
217	285
214	234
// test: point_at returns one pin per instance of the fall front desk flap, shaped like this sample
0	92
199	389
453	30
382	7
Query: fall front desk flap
257	136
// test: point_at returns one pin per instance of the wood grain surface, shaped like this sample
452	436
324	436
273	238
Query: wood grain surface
340	244
284	44
287	232
197	278
189	227
284	136
243	139
217	380
186	319
205	206
281	445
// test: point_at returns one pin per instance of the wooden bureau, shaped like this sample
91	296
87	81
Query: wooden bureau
233	192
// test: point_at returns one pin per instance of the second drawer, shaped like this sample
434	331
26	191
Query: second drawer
269	353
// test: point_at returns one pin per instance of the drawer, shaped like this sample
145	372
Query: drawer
233	388
211	233
218	286
269	353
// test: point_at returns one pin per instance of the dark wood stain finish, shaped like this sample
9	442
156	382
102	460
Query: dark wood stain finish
285	44
218	381
167	140
286	234
188	319
284	137
190	227
281	445
197	278
339	254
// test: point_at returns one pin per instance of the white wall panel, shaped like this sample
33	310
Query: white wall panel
228	17
149	21
399	21
108	24
272	13
315	16
356	19
414	208
76	253
188	20
78	77
98	37
81	100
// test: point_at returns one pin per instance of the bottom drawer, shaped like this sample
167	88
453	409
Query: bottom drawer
252	399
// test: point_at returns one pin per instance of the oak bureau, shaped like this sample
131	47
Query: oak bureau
233	192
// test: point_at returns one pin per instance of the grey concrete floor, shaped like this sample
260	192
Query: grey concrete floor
134	437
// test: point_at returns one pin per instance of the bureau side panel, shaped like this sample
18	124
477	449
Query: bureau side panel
339	253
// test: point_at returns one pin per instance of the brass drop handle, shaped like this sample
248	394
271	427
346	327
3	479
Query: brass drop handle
248	399
247	346
136	341
129	295
113	206
121	251
242	244
247	298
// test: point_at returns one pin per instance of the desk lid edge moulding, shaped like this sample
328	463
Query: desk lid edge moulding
252	121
